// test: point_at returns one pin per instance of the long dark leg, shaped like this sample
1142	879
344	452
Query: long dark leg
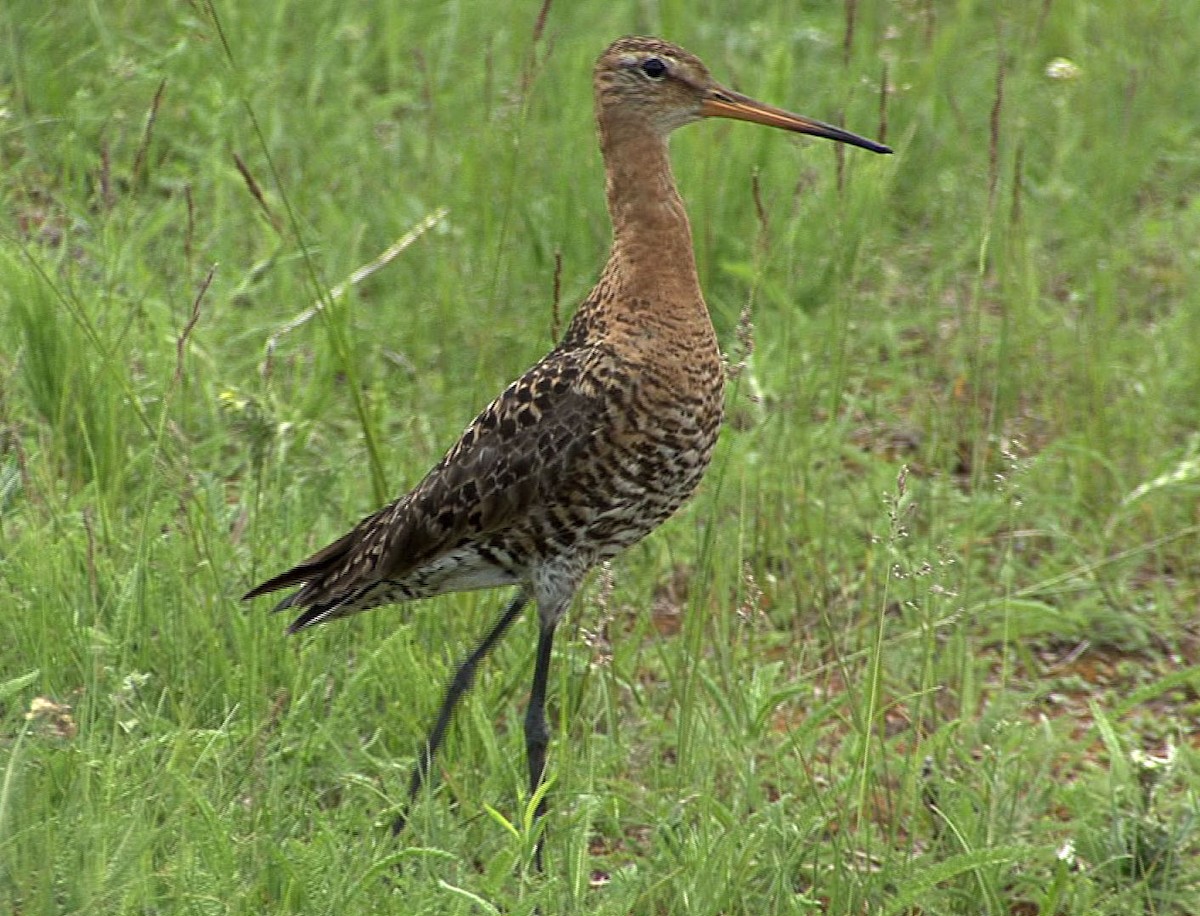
537	733
461	683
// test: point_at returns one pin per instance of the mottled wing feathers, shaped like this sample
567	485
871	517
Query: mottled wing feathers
514	454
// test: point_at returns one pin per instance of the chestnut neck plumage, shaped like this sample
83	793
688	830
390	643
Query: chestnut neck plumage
652	241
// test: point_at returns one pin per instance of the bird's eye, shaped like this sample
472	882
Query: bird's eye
654	68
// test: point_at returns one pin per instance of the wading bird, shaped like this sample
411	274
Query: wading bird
597	444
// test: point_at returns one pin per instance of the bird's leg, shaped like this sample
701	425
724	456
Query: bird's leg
459	685
537	733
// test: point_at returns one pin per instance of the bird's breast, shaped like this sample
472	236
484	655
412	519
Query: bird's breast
663	418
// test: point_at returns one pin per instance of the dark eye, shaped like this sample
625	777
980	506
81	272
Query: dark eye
654	68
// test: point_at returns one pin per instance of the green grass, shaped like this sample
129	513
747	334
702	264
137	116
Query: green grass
827	686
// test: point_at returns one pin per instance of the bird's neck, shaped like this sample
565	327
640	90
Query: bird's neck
652	240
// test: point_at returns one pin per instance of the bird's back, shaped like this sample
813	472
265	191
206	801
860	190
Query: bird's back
582	456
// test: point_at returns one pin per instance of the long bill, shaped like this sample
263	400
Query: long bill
725	103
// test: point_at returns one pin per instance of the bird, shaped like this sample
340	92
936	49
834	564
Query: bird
593	447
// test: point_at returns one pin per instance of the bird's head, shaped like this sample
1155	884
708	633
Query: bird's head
647	83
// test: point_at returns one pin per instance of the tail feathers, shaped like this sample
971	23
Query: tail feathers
320	608
295	576
311	616
320	564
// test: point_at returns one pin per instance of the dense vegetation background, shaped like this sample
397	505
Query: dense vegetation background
926	643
